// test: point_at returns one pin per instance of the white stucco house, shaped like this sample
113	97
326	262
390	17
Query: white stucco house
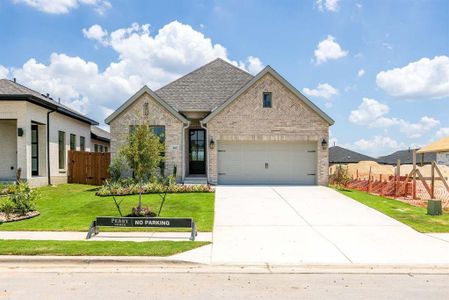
36	133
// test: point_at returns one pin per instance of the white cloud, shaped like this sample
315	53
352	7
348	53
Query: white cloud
425	78
323	90
4	72
329	5
328	49
253	65
64	6
361	72
143	58
416	130
96	33
372	114
442	132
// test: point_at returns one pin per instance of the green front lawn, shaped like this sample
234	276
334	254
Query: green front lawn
78	248
415	217
72	207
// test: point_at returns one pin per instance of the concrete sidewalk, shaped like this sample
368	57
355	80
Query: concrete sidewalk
104	236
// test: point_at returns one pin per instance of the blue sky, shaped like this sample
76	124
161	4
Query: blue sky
379	68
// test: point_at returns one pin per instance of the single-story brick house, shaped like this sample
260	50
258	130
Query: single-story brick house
224	126
36	133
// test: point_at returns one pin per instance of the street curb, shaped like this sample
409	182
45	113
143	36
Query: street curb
164	264
128	260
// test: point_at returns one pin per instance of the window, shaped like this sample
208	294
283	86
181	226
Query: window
34	150
146	110
266	99
132	128
101	148
96	147
106	149
61	149
82	143
72	141
159	131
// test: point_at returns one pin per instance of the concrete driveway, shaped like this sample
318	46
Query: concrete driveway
312	225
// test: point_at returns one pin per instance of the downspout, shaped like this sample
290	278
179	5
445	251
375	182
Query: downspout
48	146
206	147
184	150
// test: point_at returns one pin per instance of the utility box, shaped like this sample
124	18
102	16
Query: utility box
434	207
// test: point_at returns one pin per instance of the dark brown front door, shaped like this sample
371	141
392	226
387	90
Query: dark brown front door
197	151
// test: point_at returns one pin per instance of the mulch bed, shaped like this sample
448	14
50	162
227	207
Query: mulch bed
17	217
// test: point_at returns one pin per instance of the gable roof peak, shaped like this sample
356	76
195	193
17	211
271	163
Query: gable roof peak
283	81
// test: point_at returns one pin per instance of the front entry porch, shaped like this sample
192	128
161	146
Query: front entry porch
196	162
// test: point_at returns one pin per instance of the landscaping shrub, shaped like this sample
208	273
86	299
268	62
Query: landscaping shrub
6	189
130	187
23	198
118	167
7	206
340	177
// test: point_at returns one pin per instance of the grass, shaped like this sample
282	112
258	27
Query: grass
100	248
72	207
415	217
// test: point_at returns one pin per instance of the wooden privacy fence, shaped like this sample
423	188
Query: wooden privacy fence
88	167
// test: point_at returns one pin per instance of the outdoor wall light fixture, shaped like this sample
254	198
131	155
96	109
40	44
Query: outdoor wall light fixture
324	144
20	131
212	144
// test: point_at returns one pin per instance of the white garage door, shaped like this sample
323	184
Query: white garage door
266	163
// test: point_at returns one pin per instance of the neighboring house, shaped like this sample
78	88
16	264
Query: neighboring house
100	140
222	125
36	133
340	155
406	157
440	149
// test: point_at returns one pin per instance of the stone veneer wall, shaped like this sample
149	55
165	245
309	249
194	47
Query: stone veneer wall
289	119
158	115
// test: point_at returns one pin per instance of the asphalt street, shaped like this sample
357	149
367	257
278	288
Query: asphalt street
159	283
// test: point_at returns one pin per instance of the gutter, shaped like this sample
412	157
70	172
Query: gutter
48	146
207	150
48	105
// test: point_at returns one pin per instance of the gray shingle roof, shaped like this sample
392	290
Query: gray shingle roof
340	155
98	133
406	157
205	88
10	90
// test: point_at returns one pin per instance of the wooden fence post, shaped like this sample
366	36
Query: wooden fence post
369	180
432	181
414	175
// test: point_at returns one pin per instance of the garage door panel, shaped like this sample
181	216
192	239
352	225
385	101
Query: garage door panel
245	163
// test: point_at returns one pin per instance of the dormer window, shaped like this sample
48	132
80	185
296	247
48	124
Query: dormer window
267	99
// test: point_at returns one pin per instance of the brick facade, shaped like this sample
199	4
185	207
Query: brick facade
289	119
158	115
245	119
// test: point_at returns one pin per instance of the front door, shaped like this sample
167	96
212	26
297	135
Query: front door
197	151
